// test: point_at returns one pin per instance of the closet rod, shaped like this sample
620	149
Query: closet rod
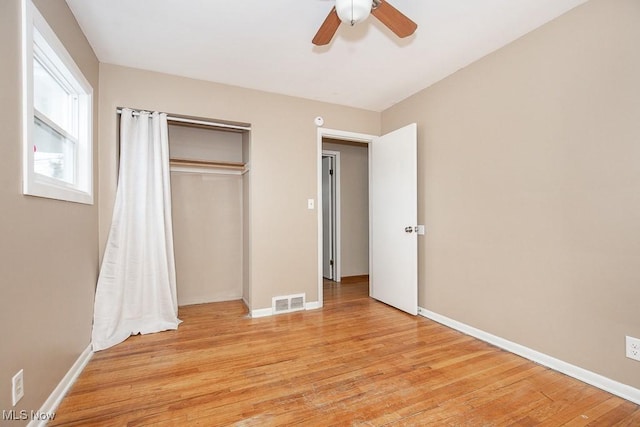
196	122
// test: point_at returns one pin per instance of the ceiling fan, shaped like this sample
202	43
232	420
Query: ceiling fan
353	11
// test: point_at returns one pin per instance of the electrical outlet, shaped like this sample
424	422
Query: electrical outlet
633	348
17	387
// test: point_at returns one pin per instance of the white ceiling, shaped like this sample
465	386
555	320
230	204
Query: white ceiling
266	44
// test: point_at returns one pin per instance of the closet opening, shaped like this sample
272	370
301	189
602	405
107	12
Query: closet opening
210	185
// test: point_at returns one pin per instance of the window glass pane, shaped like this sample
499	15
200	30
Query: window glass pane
52	99
53	154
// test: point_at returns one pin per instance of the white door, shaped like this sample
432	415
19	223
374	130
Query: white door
393	218
328	242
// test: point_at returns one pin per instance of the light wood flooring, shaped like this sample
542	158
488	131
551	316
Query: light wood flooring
356	362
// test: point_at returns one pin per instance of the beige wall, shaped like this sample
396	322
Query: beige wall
204	144
529	185
48	248
354	208
283	150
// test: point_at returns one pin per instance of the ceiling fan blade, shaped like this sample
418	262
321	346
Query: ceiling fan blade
394	19
327	29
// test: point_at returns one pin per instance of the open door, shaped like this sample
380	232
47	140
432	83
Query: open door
328	219
393	216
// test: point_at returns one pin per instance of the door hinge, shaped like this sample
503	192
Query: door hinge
330	171
331	262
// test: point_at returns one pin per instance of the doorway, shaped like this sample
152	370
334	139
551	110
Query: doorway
343	198
209	182
331	241
392	214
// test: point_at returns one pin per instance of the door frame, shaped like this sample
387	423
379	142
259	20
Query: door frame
335	207
346	136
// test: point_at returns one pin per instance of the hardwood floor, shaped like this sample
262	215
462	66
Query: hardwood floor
355	362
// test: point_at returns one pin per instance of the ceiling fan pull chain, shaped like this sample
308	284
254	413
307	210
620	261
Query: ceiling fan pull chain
353	22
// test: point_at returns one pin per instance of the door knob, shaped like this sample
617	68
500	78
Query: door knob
408	229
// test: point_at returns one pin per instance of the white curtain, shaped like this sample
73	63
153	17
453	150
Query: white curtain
136	290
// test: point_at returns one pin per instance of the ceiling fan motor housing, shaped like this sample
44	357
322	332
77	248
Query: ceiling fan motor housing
353	11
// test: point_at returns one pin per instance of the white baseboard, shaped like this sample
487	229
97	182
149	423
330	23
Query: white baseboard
313	305
614	387
265	312
206	300
54	399
262	312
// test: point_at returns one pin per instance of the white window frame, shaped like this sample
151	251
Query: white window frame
49	46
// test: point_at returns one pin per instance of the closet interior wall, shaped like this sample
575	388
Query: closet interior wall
208	204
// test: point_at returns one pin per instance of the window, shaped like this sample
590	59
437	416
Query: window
58	161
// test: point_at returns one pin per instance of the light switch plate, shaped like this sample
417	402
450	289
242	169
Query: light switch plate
17	387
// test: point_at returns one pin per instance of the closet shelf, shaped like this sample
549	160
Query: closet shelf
207	164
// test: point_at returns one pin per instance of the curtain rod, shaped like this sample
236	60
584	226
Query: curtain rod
195	122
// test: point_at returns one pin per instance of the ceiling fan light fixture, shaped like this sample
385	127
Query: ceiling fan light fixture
353	11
